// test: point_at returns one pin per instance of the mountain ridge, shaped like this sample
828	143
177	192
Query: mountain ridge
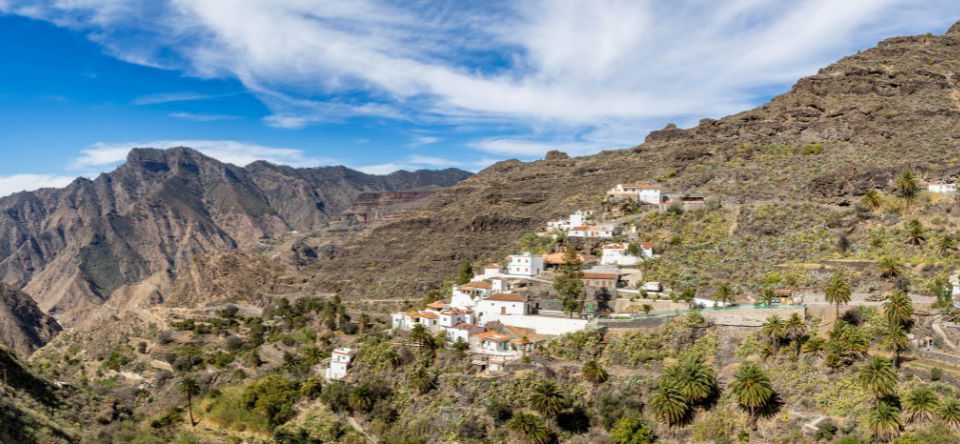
71	248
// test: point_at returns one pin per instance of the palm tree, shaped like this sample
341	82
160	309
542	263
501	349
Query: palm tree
920	405
529	428
814	346
724	294
190	388
837	292
693	379
907	185
878	377
423	380
668	404
773	331
547	399
594	373
889	267
766	297
795	329
895	338
898	308
916	235
945	244
752	388
949	412
361	399
421	336
870	199
884	421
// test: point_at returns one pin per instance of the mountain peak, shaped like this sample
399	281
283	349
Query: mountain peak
954	30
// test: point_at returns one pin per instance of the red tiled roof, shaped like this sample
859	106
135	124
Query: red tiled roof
580	228
429	315
477	285
647	245
508	297
492	336
600	276
783	292
437	305
497	266
413	314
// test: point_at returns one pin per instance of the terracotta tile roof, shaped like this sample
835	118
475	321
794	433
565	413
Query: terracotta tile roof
557	258
492	336
497	266
647	245
437	304
476	285
465	326
600	276
429	315
783	292
413	314
580	228
508	297
643	185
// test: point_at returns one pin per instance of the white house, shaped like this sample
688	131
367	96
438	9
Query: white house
463	331
616	254
493	342
648	192
491	308
451	316
340	361
466	295
576	219
526	264
405	320
490	271
646	249
599	231
945	188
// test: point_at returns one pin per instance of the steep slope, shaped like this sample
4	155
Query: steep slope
72	248
23	327
852	126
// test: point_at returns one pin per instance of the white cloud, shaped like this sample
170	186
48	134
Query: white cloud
153	99
30	182
580	65
199	117
424	140
419	162
105	155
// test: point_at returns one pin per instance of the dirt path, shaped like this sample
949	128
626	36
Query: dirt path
356	425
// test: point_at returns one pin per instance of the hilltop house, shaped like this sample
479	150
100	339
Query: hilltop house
942	187
578	218
494	342
648	192
526	265
466	295
340	361
555	260
463	331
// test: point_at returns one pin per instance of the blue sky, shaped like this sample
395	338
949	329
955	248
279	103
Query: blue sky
380	85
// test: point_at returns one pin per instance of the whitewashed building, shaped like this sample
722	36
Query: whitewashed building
501	304
617	254
576	219
466	295
526	264
599	231
942	188
463	331
340	361
649	192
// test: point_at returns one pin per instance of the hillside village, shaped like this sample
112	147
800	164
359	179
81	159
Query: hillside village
790	274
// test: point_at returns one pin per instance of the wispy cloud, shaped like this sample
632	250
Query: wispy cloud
105	155
424	140
419	162
154	99
200	117
30	182
582	65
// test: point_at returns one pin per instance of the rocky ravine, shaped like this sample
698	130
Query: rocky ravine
873	115
23	327
75	248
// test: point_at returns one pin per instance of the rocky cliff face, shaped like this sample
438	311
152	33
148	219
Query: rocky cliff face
73	248
852	126
23	327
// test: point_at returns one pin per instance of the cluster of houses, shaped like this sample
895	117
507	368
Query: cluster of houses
489	316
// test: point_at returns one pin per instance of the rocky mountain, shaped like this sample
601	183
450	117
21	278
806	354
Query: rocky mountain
23	327
852	126
74	248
